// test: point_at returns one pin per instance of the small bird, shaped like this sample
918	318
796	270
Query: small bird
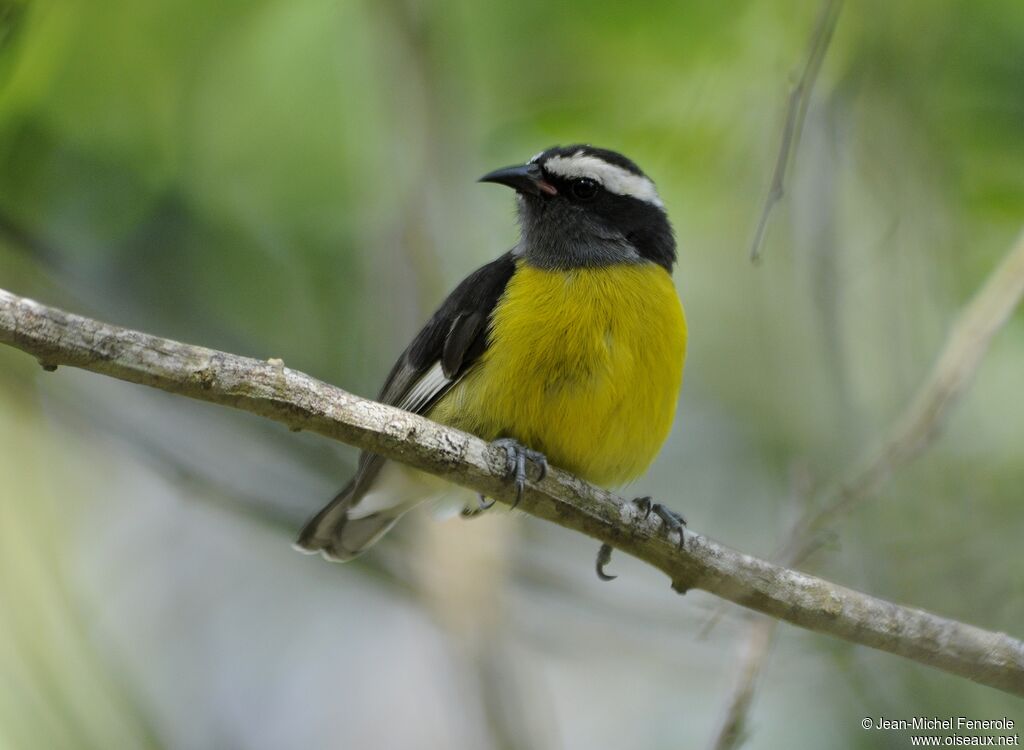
569	348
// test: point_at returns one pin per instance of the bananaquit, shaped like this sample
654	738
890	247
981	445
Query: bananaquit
569	348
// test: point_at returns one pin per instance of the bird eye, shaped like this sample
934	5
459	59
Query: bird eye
584	188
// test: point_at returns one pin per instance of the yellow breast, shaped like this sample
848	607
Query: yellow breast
583	365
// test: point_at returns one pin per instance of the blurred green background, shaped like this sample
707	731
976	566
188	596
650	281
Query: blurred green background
295	179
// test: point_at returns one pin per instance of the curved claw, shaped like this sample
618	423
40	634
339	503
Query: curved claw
672	520
482	504
604	556
517	455
644	504
520	484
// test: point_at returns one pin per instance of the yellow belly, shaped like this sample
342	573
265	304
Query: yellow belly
583	365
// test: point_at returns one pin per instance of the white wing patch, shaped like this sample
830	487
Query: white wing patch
431	383
615	179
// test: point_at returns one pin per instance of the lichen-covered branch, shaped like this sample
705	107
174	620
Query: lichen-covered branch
910	434
270	389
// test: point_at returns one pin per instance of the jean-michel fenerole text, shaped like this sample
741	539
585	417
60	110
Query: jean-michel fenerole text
949	723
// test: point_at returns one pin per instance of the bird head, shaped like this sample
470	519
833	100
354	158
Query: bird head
581	206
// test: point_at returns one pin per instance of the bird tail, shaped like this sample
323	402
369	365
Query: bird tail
339	536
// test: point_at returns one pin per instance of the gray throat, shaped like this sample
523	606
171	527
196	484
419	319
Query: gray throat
563	250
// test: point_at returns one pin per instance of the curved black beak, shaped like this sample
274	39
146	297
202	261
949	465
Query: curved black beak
525	178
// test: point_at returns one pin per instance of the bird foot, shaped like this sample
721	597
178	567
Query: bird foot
517	457
482	504
671	520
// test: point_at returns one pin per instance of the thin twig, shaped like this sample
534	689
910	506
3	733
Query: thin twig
796	114
910	435
924	418
300	402
733	730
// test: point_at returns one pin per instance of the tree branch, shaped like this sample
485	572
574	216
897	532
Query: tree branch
908	437
925	416
301	402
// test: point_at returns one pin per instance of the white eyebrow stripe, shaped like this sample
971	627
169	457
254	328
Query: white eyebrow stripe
615	179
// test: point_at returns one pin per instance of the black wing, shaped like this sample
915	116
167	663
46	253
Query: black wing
451	341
